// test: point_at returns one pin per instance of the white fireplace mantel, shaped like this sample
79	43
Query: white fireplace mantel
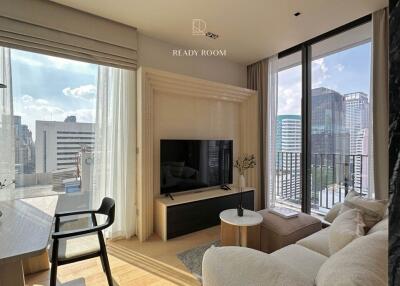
152	83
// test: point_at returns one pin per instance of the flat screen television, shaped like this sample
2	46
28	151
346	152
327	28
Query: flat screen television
194	164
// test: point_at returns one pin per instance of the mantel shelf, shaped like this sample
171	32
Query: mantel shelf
199	195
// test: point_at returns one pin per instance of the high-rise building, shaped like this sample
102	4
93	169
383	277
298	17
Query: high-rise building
288	133
357	114
357	110
328	122
24	148
288	148
59	143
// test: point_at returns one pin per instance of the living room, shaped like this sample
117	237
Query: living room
199	143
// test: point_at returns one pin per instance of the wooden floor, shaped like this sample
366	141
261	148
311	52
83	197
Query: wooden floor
153	262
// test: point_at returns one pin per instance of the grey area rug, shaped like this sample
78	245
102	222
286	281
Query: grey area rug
193	258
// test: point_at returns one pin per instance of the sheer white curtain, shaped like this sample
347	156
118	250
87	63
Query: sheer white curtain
7	143
378	157
115	147
271	126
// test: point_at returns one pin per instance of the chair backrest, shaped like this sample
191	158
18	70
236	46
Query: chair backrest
108	208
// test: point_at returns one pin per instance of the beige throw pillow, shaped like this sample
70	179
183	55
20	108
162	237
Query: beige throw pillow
363	262
344	229
372	210
335	210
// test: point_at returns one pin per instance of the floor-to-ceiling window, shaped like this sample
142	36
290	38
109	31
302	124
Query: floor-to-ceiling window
288	132
53	121
340	89
322	138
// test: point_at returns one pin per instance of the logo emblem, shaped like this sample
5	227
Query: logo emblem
199	27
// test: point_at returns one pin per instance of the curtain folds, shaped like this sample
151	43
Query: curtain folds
379	152
115	147
263	77
257	80
271	126
7	141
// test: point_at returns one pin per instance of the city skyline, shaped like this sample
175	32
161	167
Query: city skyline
333	71
56	88
352	112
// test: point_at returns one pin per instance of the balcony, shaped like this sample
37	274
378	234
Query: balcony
66	180
332	177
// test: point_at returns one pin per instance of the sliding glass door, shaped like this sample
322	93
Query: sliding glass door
340	88
322	121
288	132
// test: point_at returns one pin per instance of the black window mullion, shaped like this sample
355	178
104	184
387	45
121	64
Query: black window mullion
306	149
306	129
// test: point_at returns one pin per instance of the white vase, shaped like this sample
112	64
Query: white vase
242	181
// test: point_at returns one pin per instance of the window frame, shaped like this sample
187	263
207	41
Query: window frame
306	60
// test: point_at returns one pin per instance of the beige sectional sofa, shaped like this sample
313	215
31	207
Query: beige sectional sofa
308	262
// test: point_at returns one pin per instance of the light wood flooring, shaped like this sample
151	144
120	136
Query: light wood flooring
153	262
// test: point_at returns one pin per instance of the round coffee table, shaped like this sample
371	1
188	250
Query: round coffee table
240	230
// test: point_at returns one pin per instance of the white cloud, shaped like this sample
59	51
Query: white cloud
87	92
320	73
41	101
26	98
45	61
289	91
40	109
289	98
25	59
339	67
84	115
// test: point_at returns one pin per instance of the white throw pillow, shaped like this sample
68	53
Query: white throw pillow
372	210
344	229
363	262
335	210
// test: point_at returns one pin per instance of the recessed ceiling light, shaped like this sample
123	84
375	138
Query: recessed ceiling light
212	35
297	14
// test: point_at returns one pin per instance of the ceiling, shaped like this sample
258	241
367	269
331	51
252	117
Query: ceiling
248	30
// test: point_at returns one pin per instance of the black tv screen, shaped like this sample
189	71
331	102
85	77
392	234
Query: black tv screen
195	164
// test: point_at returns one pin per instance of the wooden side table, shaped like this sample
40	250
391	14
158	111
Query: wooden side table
240	231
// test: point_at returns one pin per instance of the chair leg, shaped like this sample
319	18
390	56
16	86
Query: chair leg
102	263
53	274
107	268
104	259
54	265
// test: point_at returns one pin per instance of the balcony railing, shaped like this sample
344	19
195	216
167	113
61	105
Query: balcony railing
332	177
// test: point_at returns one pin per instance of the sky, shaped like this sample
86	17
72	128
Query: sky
52	88
346	71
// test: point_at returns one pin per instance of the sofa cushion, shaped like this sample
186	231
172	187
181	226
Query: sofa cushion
278	232
344	229
238	266
372	210
318	242
354	266
382	225
301	259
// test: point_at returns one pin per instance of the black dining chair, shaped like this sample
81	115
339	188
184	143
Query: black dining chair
79	244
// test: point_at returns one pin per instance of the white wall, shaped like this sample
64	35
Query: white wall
158	54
